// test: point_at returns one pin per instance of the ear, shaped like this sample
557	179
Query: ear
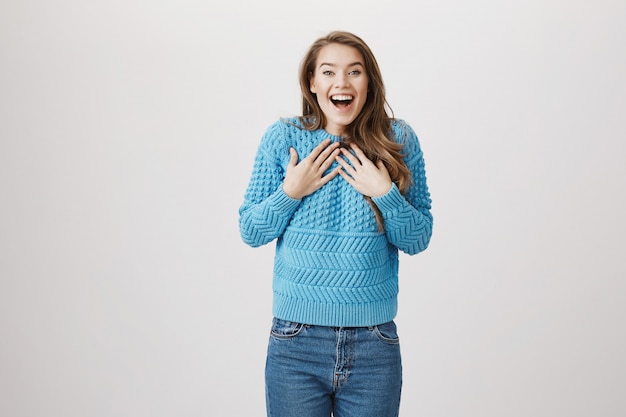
312	87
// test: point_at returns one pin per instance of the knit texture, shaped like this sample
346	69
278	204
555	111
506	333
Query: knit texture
332	266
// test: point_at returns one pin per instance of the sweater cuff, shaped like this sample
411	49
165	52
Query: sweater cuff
281	202
390	202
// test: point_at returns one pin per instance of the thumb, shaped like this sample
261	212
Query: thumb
293	160
381	165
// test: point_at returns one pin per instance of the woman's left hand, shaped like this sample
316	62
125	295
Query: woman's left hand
369	179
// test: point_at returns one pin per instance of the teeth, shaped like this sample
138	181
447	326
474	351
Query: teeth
342	97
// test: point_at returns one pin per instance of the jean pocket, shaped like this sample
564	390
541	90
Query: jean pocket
283	329
387	333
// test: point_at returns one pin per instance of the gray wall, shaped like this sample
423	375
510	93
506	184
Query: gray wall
127	133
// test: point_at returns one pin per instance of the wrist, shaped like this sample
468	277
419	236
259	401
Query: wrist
384	190
291	193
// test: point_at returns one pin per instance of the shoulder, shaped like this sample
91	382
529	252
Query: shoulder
277	133
281	131
406	136
281	135
291	132
285	124
402	130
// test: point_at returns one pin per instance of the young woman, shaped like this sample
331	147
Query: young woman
342	188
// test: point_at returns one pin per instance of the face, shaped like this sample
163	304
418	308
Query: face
340	83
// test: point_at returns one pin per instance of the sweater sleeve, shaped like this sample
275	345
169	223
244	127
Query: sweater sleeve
267	210
408	220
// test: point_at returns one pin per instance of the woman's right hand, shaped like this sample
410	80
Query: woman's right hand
306	177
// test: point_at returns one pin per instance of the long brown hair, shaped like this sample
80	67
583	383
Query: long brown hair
371	130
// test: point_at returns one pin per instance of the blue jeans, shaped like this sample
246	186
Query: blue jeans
313	371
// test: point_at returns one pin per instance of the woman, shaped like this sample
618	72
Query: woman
342	188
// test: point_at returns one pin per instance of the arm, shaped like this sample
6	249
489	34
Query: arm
266	209
263	221
408	220
275	191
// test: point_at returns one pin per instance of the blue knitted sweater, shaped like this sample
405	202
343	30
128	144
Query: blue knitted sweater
332	266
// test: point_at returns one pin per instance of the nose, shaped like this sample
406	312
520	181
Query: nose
342	80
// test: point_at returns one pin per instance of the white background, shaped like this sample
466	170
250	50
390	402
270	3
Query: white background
128	130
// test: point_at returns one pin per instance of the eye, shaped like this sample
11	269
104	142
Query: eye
328	73
355	72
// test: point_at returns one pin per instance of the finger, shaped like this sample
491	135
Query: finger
344	164
327	153
358	152
293	160
328	161
331	175
381	165
350	157
346	176
319	149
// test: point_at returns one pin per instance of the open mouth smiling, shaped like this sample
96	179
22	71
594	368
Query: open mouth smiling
342	100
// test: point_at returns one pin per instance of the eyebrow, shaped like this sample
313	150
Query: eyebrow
334	65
